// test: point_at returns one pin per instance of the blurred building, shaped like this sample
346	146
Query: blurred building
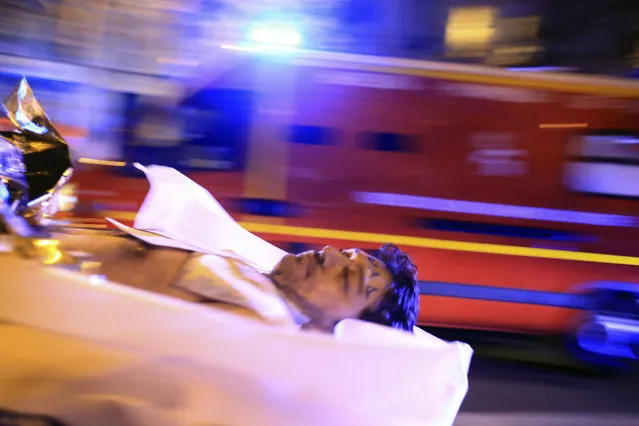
166	37
137	36
597	36
96	51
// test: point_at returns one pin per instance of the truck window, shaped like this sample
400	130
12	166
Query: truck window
388	142
604	164
208	131
312	135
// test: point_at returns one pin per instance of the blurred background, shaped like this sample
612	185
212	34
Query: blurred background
116	46
496	141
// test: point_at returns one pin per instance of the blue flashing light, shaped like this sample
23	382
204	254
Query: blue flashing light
275	36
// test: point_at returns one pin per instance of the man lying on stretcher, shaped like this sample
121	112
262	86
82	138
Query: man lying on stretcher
116	356
236	271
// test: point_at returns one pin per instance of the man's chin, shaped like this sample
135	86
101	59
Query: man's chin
281	274
284	261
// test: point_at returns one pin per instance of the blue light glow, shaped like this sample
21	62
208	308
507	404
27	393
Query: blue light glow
275	36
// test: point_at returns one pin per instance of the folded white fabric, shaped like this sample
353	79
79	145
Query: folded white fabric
360	332
82	352
177	212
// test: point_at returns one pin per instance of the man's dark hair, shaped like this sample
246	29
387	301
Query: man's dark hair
399	306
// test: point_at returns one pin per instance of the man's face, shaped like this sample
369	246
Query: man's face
336	284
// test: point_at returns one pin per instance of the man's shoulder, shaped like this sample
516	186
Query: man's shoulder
227	278
226	267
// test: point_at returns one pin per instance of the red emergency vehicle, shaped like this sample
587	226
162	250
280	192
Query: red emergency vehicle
515	192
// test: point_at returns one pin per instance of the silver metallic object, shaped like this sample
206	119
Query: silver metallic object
34	159
37	244
26	113
43	208
34	167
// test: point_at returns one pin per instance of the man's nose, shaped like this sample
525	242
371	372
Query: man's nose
329	250
332	256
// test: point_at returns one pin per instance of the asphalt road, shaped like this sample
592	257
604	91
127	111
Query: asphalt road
520	394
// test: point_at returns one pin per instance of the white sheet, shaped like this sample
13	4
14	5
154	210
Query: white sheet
112	355
91	351
189	216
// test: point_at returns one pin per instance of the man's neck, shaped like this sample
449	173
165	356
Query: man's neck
317	320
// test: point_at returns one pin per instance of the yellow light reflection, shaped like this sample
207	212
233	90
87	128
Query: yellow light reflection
563	126
49	251
102	162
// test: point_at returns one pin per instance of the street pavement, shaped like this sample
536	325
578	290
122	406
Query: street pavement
511	393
